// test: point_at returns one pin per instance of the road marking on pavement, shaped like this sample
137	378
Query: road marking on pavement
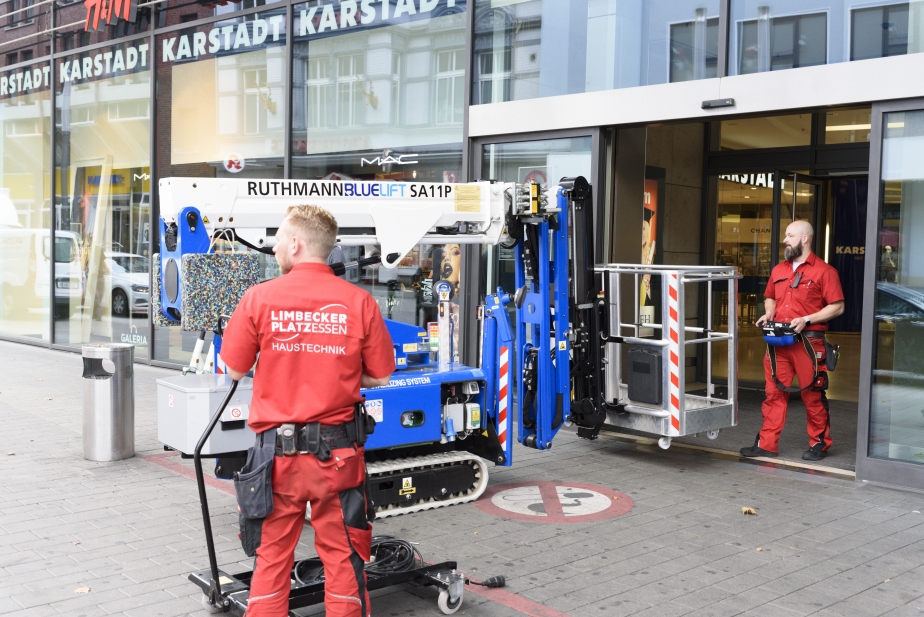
553	502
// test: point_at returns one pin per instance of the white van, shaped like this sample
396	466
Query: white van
25	270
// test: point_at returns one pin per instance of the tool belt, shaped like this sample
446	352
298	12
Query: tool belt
782	335
320	439
314	438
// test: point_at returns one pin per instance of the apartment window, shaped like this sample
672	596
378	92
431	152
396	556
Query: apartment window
450	84
774	43
129	110
12	58
256	100
879	32
20	12
22	127
694	48
494	76
317	92
85	114
351	92
25	55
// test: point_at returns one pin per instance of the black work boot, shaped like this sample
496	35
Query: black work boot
756	450
815	453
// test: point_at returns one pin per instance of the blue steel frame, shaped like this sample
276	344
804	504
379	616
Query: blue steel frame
534	331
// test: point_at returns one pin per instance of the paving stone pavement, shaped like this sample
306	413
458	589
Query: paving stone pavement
131	531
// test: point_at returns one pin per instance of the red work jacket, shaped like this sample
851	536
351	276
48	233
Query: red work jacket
818	286
316	334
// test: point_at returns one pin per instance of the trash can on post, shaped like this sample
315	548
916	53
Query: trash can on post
108	402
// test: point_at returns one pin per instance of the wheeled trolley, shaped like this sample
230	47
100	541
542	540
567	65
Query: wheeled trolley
651	334
229	593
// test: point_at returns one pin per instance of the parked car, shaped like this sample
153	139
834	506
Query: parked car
900	309
127	274
25	270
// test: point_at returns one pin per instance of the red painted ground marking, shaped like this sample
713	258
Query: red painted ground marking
501	596
512	600
166	461
552	505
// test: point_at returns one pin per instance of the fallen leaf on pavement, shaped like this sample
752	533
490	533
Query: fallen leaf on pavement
48	398
76	543
11	454
82	590
750	511
760	548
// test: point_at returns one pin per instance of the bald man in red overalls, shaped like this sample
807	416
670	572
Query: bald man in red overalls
806	293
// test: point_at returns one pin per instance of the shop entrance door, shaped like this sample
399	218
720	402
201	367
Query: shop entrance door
796	197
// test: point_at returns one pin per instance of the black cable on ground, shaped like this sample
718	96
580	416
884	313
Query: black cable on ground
390	555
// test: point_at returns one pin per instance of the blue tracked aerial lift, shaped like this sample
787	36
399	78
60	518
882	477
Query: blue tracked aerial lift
439	422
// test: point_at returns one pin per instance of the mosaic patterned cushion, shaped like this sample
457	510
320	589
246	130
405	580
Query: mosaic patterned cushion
213	284
159	319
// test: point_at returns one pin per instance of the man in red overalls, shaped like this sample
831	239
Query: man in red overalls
319	339
804	292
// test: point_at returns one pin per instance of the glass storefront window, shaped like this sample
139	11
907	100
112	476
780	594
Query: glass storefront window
544	161
221	101
847	126
537	48
378	95
767	132
26	254
896	430
770	35
102	205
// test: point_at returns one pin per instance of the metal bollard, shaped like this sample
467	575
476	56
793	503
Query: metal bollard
108	402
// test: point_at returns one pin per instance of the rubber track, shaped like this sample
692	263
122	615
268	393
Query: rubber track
432	460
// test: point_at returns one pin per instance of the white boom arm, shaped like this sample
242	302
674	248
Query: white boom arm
394	215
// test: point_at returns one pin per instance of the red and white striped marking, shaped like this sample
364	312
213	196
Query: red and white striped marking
673	328
503	421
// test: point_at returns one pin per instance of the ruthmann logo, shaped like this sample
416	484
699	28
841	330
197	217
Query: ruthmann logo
108	12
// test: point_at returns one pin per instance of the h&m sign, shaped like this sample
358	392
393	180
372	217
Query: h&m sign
101	13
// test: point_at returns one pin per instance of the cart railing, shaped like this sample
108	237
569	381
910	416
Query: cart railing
667	329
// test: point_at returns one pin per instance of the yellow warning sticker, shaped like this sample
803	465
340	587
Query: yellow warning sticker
407	487
562	346
467	198
410	347
224	580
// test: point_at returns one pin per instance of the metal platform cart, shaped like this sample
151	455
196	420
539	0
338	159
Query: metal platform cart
646	373
394	562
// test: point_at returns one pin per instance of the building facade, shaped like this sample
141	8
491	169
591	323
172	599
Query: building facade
704	127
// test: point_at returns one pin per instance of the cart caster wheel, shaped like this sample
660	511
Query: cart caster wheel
210	608
664	443
445	605
713	434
